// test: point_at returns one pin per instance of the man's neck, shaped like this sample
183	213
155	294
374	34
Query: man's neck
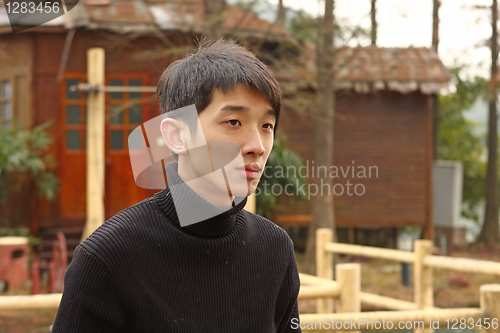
209	187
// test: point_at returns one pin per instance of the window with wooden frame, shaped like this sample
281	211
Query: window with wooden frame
75	116
126	112
6	113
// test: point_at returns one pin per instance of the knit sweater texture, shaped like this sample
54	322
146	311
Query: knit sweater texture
142	272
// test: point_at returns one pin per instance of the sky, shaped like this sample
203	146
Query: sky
403	23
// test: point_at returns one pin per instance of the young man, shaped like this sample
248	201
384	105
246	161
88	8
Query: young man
159	267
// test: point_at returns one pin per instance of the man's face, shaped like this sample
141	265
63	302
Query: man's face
242	116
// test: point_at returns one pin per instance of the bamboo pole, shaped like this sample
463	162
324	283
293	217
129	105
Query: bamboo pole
95	143
321	291
385	302
349	279
463	265
490	304
415	318
324	266
422	278
306	279
251	203
30	302
371	252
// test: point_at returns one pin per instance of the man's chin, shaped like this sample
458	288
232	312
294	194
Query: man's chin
252	186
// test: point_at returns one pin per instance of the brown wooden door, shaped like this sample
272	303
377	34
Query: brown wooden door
73	161
124	112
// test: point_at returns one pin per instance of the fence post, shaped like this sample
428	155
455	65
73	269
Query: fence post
324	266
422	278
490	303
349	279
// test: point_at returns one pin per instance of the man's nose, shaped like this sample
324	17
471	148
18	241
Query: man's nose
252	143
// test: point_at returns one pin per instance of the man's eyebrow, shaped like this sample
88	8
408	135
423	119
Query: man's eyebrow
229	108
272	113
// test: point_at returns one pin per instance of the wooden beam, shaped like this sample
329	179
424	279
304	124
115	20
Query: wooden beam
324	265
95	143
428	230
251	203
422	277
30	302
490	304
463	265
371	252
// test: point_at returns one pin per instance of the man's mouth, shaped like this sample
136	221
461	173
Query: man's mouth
251	170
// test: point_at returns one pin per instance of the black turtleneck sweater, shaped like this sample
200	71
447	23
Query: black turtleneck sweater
142	272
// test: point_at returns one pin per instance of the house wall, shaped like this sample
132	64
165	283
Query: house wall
387	131
122	61
15	66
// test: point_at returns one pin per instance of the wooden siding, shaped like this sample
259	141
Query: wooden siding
387	130
68	210
15	66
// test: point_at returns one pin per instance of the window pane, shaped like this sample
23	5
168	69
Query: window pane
116	140
134	143
6	89
135	114
116	82
116	114
73	140
86	112
6	110
72	94
73	114
134	83
6	125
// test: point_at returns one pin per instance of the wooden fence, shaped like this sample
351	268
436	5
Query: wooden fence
420	315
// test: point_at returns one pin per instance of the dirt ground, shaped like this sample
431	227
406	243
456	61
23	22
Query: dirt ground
26	321
451	289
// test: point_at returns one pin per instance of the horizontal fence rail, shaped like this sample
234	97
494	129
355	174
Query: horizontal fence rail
30	302
463	265
421	311
346	291
371	252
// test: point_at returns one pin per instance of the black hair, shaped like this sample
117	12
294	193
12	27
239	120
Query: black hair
214	65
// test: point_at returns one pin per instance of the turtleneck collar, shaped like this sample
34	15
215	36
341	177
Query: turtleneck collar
179	200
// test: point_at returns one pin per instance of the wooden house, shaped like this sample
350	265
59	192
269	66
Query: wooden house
38	67
383	115
383	135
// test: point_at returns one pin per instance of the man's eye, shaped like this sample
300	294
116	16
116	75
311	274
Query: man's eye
269	126
233	122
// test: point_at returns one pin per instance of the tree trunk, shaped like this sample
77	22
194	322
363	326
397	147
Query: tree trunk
373	15
435	101
490	232
323	208
280	18
214	17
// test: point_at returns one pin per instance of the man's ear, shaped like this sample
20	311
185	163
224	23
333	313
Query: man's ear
171	131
